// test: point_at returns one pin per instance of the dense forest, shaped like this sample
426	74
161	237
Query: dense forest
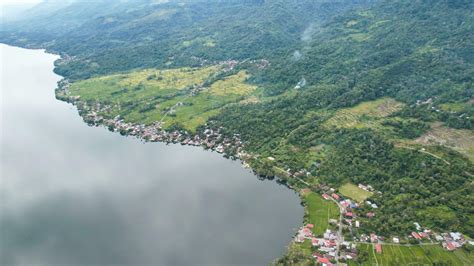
118	36
323	56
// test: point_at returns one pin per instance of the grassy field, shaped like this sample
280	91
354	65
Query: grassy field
415	255
319	211
354	192
174	97
364	115
141	85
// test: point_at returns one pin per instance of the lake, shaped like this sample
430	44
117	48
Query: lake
74	194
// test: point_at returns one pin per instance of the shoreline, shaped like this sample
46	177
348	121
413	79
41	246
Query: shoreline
209	139
63	123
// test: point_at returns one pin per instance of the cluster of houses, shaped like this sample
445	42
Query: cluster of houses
347	207
261	63
421	233
425	102
372	205
209	138
366	187
450	241
326	247
348	251
430	102
229	65
299	173
374	239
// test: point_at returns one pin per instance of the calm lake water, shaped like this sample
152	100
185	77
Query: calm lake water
73	194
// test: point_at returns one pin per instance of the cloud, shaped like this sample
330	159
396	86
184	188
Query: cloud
309	32
296	56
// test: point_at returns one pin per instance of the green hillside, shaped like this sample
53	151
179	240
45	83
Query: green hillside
107	36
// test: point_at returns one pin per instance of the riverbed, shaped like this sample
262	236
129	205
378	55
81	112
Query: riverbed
74	194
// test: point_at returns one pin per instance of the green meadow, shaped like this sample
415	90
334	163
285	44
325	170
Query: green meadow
185	97
319	211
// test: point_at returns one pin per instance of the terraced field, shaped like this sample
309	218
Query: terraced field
184	97
364	115
415	255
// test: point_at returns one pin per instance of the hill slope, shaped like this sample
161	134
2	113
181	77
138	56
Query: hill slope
108	36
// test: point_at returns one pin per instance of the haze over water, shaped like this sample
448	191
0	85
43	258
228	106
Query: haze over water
73	194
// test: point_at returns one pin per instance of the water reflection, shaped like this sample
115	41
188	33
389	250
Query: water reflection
72	194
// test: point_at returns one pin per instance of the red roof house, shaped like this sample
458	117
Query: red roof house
323	260
307	232
315	242
416	235
378	248
325	196
450	246
370	214
335	196
349	214
373	237
310	226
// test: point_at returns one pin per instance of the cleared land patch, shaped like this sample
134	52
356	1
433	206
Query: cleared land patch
354	192
460	140
458	107
364	115
175	97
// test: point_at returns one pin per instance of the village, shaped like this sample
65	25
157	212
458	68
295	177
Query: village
331	248
209	138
